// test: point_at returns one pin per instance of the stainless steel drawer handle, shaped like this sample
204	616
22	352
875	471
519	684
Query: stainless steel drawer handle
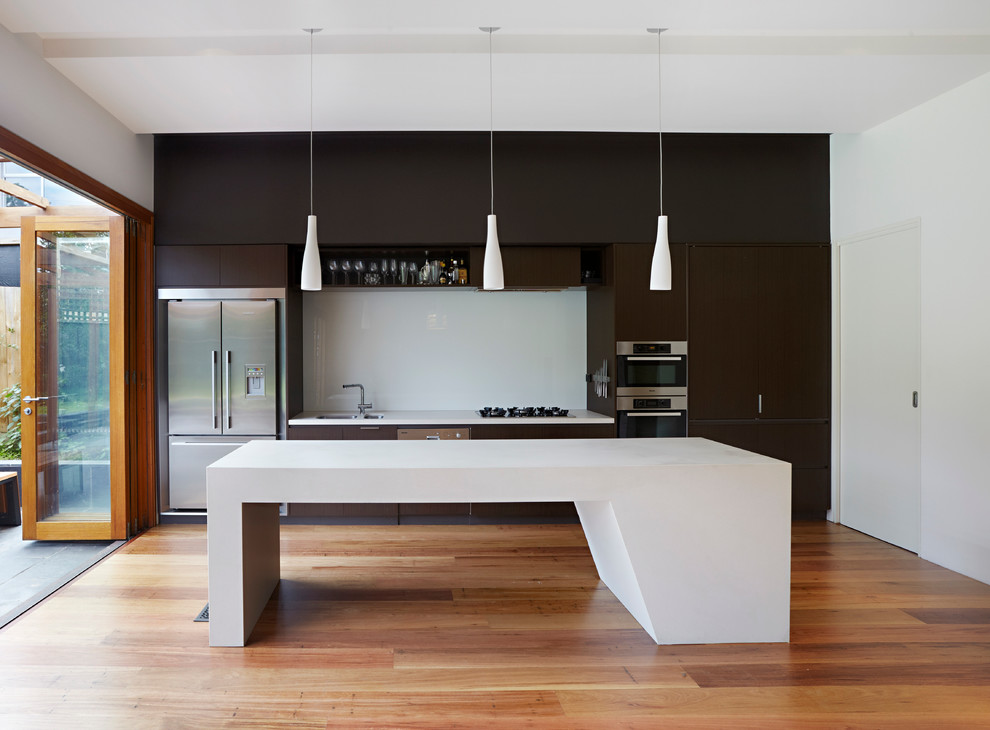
664	414
655	359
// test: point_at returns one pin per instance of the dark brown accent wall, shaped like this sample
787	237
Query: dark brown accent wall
431	188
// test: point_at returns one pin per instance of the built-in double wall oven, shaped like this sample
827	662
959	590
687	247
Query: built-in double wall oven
651	392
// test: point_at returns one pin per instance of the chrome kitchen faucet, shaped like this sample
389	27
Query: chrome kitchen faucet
362	406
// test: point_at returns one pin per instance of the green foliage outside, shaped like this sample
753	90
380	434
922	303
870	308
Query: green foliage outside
10	408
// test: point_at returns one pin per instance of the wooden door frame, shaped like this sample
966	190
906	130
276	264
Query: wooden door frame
116	527
139	367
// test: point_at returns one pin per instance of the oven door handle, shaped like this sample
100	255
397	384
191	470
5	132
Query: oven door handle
640	358
663	414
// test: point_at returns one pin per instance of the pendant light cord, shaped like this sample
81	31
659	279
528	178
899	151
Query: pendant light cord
659	118
311	32
491	122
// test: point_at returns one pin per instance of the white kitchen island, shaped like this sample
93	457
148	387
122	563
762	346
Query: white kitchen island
693	537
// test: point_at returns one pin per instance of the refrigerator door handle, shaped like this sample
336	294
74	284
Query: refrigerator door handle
213	386
226	377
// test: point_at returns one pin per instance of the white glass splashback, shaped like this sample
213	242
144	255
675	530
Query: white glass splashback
426	350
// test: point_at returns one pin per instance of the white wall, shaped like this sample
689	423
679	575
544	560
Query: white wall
933	162
440	350
42	106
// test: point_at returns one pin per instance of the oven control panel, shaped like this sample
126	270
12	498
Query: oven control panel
651	403
651	348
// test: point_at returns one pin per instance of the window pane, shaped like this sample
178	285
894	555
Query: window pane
58	195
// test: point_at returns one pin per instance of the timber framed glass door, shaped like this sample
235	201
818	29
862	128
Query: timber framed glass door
72	371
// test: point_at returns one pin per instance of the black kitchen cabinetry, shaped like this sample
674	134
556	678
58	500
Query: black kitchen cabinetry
759	357
642	314
221	266
532	266
624	308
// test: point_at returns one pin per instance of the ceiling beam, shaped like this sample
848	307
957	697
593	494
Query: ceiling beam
635	41
11	217
22	194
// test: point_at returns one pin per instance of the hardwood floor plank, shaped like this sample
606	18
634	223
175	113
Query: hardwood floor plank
925	706
956	615
495	627
839	674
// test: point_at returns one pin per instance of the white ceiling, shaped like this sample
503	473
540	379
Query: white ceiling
579	65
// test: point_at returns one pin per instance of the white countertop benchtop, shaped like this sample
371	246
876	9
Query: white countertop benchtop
692	536
447	418
484	470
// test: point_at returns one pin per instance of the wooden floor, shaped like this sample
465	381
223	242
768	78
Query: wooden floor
490	627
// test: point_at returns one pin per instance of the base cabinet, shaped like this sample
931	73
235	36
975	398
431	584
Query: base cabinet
805	445
370	513
481	512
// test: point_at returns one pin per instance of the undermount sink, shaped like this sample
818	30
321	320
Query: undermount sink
350	416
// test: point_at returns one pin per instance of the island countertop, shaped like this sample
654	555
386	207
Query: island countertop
444	418
692	536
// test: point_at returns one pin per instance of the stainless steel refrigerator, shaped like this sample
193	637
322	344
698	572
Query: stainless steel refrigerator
222	387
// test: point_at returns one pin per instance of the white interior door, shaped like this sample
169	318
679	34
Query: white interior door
879	373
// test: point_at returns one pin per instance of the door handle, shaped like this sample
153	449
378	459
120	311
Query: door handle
914	399
32	399
226	377
213	386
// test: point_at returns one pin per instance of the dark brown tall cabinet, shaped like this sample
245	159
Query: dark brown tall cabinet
759	357
624	309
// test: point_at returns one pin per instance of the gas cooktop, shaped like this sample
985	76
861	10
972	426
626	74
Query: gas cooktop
527	412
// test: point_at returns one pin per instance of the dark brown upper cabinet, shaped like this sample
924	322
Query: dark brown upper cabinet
642	314
221	266
532	266
759	332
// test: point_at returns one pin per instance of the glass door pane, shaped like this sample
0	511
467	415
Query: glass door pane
72	376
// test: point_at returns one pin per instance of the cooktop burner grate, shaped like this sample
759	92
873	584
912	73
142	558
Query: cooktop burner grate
526	412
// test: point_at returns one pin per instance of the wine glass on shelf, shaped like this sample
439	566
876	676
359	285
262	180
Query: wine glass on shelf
393	270
372	275
345	266
332	266
359	268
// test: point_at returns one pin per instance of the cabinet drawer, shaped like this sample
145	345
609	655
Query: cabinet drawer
370	433
315	433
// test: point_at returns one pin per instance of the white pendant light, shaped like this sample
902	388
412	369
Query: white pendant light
492	276
312	277
660	270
